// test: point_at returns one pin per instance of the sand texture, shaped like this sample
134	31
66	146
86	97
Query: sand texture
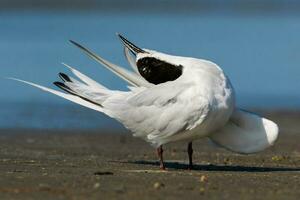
102	165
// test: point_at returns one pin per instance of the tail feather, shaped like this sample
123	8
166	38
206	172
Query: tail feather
246	133
84	78
88	93
70	97
95	95
64	87
70	91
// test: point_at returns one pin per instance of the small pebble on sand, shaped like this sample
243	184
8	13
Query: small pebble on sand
96	185
278	158
203	179
158	185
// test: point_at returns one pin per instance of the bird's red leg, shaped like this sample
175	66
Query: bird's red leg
190	153
160	156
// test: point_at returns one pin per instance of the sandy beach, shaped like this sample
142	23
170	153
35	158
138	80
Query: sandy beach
40	164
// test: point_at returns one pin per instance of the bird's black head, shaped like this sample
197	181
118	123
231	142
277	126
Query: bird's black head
153	69
157	71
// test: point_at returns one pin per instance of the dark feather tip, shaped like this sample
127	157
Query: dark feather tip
64	87
58	84
64	77
76	44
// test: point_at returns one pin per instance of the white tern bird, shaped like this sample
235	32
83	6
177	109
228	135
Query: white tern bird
170	98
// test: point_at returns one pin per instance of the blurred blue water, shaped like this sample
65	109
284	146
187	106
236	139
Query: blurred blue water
260	53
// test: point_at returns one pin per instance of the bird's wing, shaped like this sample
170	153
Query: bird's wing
158	113
131	77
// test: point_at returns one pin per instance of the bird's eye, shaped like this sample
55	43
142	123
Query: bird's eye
146	70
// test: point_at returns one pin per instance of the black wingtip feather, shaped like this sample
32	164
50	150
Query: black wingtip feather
58	84
76	44
73	42
64	87
64	77
70	91
85	50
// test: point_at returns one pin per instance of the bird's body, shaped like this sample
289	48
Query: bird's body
194	105
172	98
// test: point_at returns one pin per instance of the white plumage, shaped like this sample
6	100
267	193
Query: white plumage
196	99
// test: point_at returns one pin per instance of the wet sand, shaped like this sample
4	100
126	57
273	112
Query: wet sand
102	165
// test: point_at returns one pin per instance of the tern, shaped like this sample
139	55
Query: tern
170	98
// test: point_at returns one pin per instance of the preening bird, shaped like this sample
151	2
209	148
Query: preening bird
170	98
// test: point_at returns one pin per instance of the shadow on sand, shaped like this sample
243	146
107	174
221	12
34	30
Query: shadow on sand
229	168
